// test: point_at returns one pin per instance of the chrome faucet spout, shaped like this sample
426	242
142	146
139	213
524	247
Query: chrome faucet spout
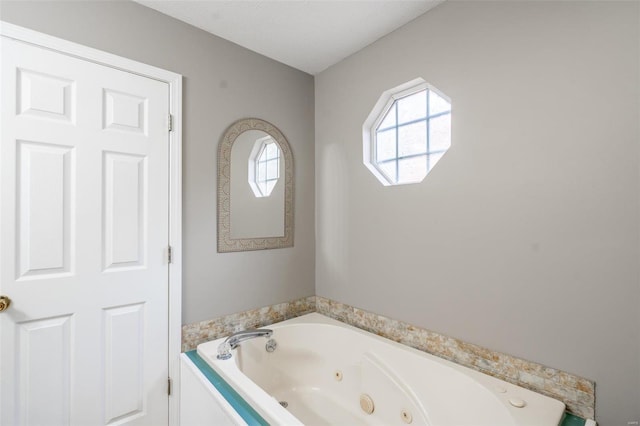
232	342
236	338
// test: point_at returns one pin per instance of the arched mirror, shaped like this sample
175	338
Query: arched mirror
255	188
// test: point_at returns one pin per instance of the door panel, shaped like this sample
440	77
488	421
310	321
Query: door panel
125	112
44	175
124	361
44	405
45	96
125	181
84	218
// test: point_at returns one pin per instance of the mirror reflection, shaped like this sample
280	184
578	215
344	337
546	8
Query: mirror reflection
257	192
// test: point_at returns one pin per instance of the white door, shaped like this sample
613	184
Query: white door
84	218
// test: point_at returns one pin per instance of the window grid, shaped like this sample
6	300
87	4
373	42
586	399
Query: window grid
426	119
264	158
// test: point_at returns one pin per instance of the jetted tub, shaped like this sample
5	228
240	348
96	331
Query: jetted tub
330	373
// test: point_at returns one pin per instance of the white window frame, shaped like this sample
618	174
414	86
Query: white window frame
377	116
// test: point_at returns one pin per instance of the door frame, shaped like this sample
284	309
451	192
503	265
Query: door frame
175	176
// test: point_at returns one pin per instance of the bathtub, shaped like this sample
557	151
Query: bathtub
329	373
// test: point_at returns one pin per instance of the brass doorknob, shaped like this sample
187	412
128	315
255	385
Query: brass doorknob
4	303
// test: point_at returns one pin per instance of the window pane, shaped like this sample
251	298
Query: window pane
437	104
389	119
272	150
262	155
412	139
440	133
386	145
262	172
389	169
272	169
434	158
412	169
412	107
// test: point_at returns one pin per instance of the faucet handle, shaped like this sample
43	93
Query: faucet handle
224	351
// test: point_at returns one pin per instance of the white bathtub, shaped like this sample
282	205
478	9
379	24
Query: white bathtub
321	367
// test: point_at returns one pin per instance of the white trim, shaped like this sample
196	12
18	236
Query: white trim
175	240
175	175
84	52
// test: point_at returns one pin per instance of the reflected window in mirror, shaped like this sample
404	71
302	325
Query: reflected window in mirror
264	166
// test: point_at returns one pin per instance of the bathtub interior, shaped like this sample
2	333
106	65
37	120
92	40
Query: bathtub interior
321	392
326	372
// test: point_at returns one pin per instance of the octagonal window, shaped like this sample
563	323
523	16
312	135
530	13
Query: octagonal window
407	133
264	166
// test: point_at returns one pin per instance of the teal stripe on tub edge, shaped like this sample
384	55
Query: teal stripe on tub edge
238	403
572	420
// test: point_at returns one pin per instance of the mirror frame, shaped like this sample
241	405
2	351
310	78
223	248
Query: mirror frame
225	242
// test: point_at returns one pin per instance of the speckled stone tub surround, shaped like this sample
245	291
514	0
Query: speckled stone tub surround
204	331
576	392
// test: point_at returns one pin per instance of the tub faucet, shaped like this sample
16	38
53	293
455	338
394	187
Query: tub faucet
232	342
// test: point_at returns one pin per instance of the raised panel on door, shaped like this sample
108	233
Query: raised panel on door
125	112
45	96
44	369
45	207
125	206
124	331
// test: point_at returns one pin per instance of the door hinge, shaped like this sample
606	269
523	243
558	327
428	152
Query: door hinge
168	385
170	121
169	255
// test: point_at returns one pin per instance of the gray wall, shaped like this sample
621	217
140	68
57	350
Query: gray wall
222	83
524	238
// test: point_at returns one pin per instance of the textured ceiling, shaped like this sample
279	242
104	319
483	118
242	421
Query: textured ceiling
310	35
